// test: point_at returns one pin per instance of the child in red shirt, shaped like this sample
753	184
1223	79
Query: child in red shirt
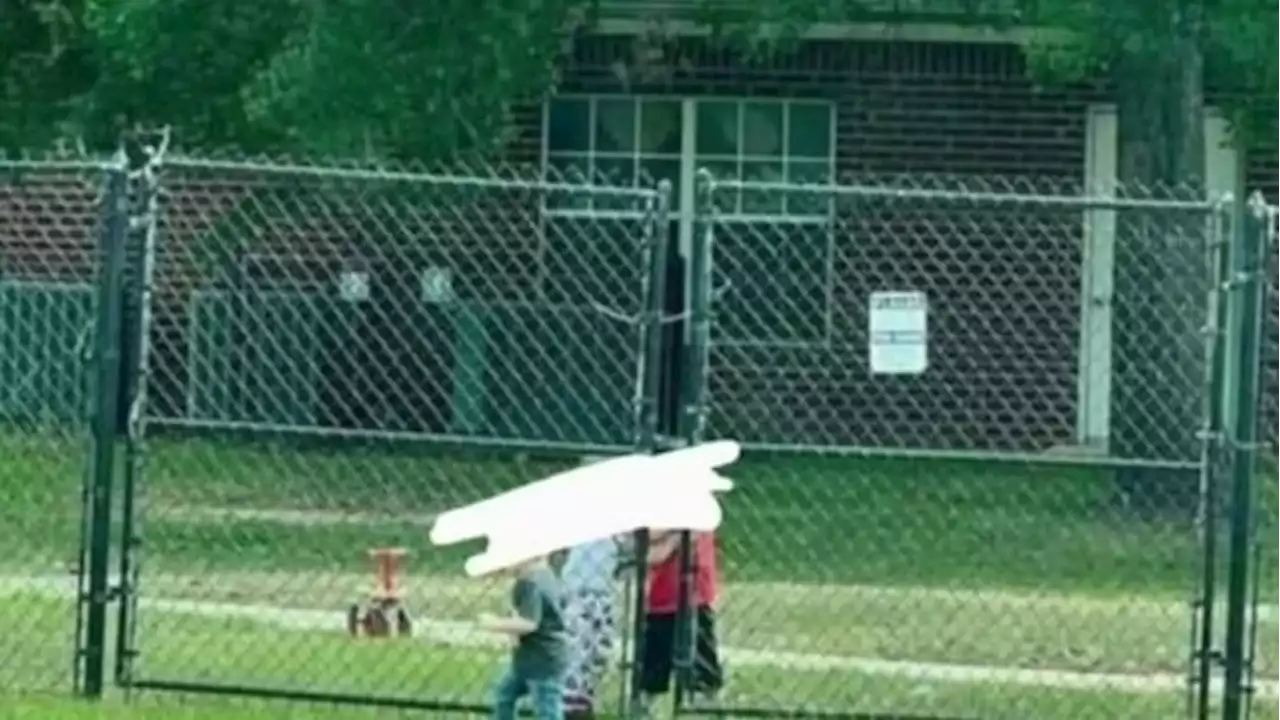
661	614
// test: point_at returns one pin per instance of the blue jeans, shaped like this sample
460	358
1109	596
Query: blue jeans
547	695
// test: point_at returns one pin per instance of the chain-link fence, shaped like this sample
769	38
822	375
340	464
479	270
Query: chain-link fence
335	355
981	476
49	218
976	484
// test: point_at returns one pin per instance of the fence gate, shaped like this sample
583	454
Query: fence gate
50	218
327	358
1248	327
987	449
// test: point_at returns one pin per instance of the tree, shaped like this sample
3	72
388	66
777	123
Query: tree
323	77
45	62
409	79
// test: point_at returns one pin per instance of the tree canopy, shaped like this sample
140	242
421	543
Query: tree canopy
334	77
355	77
1158	56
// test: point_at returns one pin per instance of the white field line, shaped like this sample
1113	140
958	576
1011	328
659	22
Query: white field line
465	634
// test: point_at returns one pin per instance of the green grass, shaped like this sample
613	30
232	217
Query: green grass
152	707
1004	565
26	708
222	650
864	521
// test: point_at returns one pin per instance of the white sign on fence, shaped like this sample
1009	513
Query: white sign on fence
898	332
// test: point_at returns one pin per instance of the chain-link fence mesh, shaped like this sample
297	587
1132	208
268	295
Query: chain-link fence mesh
49	216
1008	529
329	356
336	355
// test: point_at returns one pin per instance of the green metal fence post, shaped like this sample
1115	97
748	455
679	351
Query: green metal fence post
647	406
107	385
1204	654
112	258
135	443
652	321
693	386
692	420
1241	410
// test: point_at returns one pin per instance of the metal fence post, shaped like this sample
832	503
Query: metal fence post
647	407
105	401
692	420
1243	345
135	429
693	389
1204	655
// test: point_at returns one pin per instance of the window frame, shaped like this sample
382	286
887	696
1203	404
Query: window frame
637	156
783	158
824	218
823	214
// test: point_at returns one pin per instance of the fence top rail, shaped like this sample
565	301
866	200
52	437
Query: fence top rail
529	178
979	193
55	165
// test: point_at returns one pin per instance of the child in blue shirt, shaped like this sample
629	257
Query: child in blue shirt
540	656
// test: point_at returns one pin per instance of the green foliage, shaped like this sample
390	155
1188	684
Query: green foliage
337	77
181	62
1076	39
44	64
422	80
1243	58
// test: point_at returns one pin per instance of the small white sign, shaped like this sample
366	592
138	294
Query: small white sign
353	286
898	332
437	285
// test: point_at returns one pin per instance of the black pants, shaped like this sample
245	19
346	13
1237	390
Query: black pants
660	648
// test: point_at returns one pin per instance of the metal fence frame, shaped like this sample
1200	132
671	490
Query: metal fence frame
1239	238
132	205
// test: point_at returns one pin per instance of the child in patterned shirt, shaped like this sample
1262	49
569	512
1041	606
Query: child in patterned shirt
591	615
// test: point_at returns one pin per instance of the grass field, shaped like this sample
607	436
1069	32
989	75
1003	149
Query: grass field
195	647
915	587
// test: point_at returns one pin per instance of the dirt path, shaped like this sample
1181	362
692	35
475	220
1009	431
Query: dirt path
463	634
